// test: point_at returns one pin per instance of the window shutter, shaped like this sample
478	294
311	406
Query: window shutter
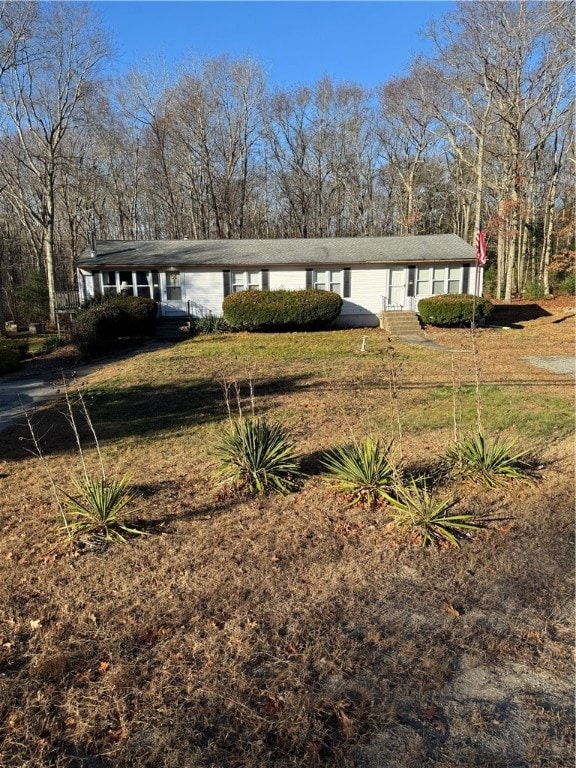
309	279
155	286
226	275
411	281
346	287
465	277
265	280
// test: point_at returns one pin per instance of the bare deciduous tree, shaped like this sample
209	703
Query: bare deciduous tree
43	94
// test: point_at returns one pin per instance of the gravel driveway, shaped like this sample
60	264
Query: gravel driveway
555	364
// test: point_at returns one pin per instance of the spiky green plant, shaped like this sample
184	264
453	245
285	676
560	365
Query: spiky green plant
100	507
364	469
426	516
258	457
490	461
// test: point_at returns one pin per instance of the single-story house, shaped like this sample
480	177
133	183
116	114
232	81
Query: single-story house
192	277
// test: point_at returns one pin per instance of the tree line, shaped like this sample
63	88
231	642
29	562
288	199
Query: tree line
479	131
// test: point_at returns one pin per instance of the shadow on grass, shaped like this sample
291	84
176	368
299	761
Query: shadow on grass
512	314
143	411
169	495
157	525
311	463
566	317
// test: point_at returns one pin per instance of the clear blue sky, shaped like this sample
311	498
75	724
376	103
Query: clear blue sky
296	42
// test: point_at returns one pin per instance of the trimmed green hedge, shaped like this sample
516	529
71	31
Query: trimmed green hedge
281	310
140	314
453	309
104	326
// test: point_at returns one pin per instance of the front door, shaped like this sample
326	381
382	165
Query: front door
173	299
396	287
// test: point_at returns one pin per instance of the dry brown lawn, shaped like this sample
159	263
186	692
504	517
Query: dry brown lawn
296	631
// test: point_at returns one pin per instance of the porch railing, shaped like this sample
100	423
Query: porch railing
66	300
197	310
411	304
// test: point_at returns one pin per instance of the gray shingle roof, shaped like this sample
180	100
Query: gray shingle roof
154	254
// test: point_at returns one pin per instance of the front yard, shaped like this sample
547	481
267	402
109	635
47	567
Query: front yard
295	630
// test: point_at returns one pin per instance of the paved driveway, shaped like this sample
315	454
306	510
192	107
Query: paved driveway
20	395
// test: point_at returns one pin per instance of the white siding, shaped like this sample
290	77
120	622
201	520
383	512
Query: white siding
287	279
368	285
205	288
203	291
85	285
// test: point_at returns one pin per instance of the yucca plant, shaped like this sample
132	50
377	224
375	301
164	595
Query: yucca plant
258	457
364	469
426	516
490	461
100	507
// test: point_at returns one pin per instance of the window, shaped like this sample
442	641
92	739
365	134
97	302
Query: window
435	281
238	281
142	285
245	281
438	281
109	283
130	284
336	280
423	282
328	280
173	287
126	286
454	280
253	279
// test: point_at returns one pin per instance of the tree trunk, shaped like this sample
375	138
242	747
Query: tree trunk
48	248
549	218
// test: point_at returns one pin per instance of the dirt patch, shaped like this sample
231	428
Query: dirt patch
484	716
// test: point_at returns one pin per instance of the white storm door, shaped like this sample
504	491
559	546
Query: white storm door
397	286
173	298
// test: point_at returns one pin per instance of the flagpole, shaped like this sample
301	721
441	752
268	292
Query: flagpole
477	280
476	289
480	243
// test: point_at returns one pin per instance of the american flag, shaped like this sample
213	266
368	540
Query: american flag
481	246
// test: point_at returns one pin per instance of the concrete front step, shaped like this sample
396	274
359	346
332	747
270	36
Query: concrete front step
400	323
402	320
